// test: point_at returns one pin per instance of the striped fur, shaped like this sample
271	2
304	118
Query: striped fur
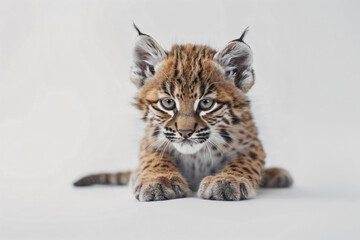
119	178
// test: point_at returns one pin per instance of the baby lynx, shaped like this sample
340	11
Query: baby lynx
200	135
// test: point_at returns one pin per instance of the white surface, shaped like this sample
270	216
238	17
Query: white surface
65	112
53	210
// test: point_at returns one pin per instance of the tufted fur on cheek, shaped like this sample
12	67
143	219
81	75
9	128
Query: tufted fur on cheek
236	60
147	54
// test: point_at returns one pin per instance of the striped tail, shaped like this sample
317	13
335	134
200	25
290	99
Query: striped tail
120	178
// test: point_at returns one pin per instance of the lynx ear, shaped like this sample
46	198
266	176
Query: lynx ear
236	59
147	54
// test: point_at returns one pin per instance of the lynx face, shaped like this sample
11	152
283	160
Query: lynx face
192	95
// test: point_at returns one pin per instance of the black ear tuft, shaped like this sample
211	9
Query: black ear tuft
138	30
241	38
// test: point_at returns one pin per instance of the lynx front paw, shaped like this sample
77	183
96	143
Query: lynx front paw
225	187
160	188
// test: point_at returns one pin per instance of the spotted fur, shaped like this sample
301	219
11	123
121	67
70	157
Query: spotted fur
200	135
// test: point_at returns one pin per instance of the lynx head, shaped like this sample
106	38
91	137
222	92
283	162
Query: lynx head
192	95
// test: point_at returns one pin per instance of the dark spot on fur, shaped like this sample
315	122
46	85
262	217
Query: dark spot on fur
255	171
253	155
156	132
226	121
240	161
235	120
225	135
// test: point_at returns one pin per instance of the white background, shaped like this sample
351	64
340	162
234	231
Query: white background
65	111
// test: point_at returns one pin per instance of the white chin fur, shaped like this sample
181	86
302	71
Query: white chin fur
187	148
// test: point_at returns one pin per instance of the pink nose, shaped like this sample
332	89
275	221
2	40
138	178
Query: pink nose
186	133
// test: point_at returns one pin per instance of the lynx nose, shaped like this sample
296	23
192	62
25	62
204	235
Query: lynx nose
186	133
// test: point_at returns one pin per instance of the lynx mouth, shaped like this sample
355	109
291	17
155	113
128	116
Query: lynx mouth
187	146
187	141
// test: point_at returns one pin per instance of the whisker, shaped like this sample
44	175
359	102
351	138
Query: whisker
216	146
161	148
153	143
164	141
222	140
163	151
211	159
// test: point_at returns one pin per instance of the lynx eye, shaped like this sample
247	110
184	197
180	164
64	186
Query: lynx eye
168	104
206	104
